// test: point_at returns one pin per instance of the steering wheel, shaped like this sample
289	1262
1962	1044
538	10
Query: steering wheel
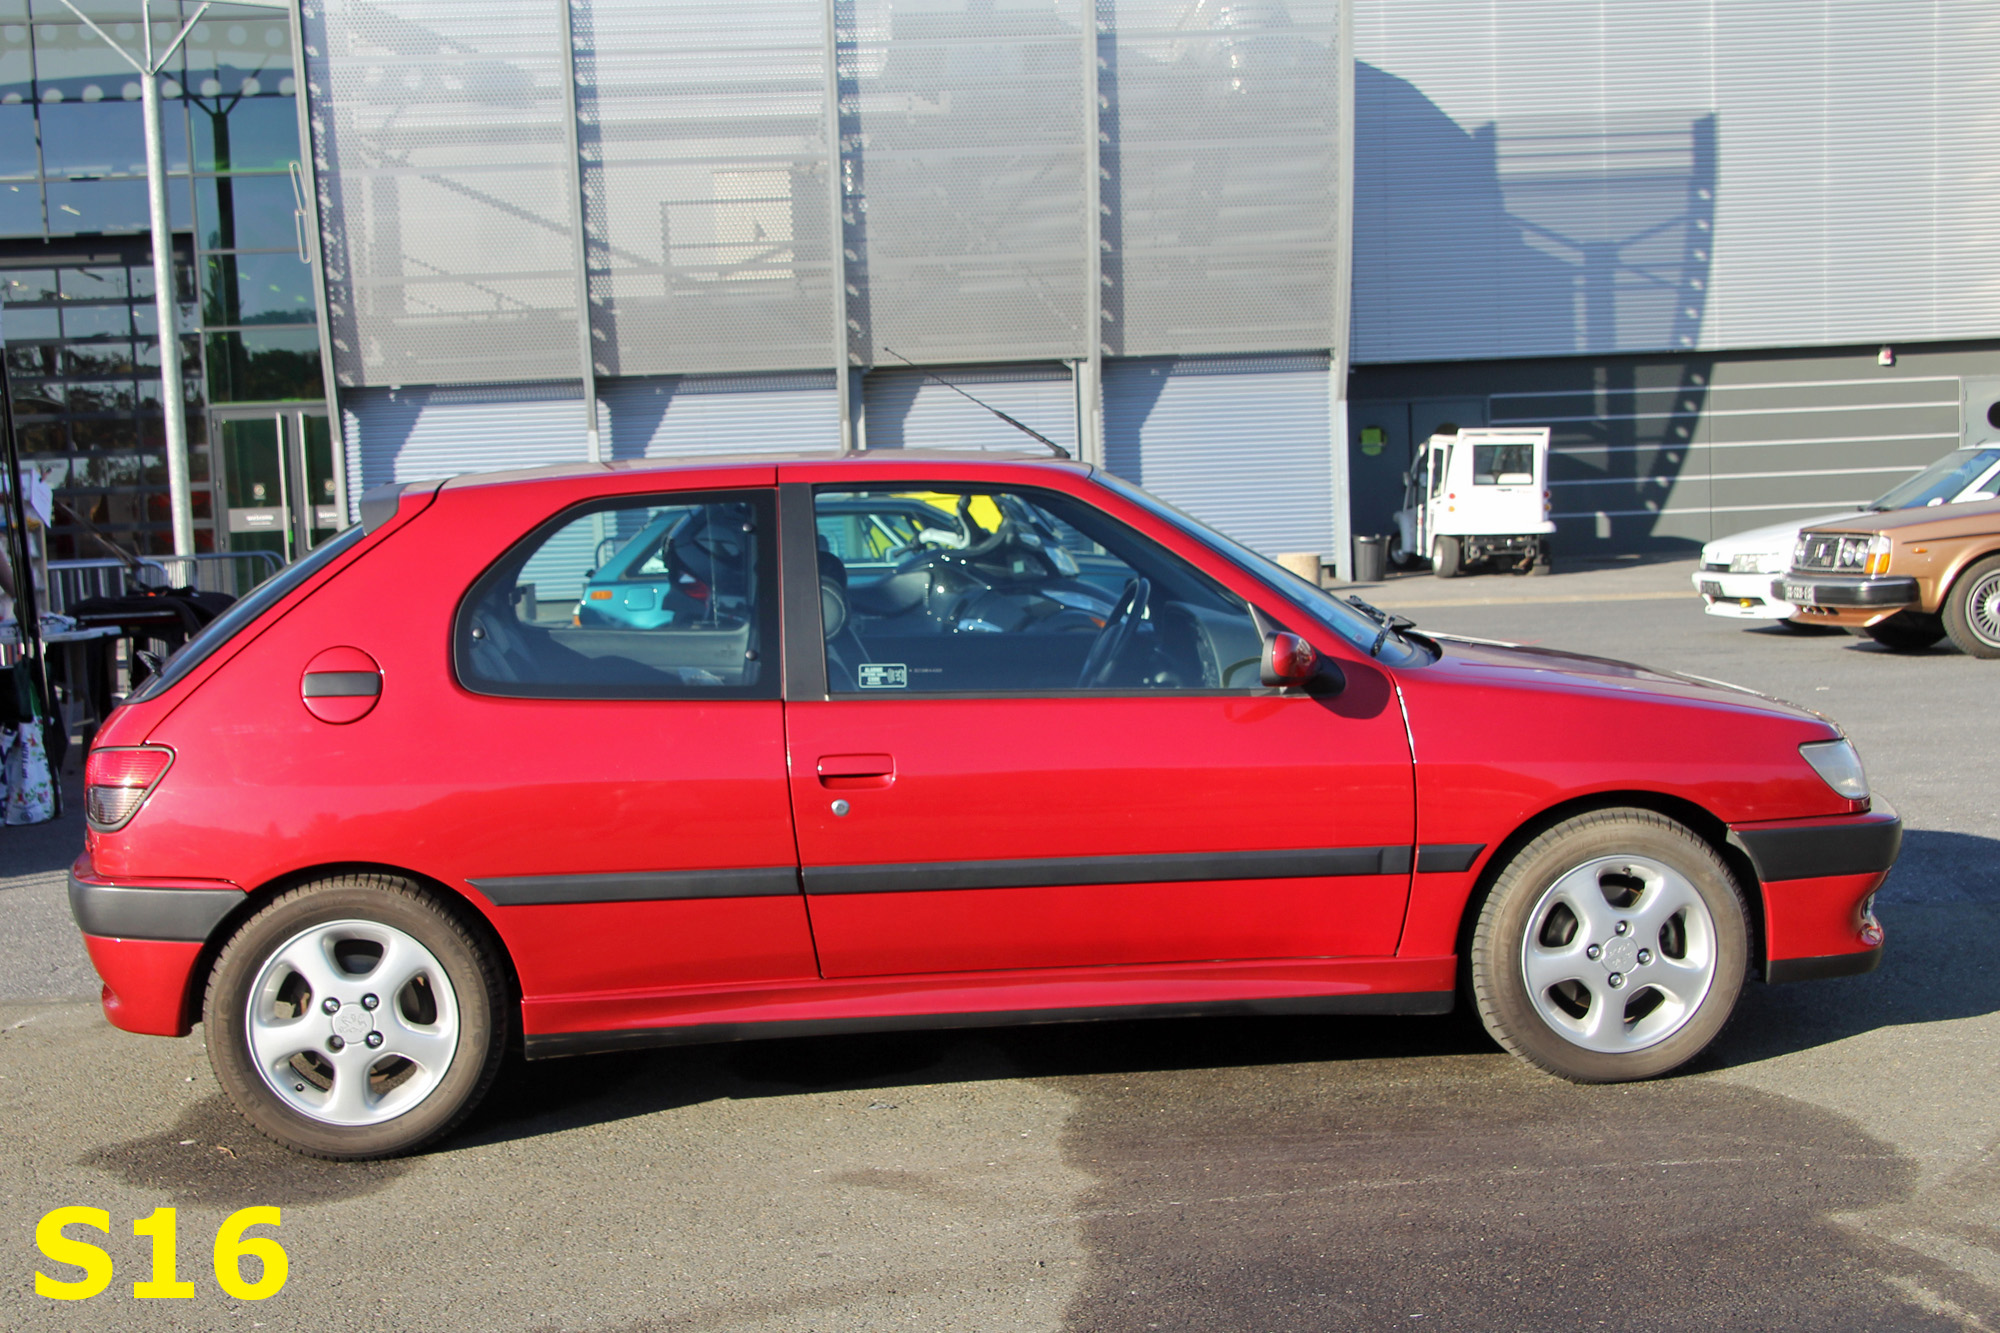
1117	634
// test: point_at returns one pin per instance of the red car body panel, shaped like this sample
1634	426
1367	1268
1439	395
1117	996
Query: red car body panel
466	789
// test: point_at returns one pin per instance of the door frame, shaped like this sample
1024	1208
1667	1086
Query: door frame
298	506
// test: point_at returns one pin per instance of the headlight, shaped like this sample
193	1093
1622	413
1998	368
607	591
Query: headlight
1838	766
1757	562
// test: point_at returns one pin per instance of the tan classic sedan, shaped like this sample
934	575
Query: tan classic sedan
1906	579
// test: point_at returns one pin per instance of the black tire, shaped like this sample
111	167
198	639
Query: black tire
1907	631
477	1000
1544	560
1601	844
1972	611
1445	557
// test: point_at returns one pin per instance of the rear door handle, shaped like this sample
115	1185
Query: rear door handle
854	772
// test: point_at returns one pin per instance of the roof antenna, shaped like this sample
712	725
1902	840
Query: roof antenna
1021	426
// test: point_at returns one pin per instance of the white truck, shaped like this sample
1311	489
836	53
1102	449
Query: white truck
1480	495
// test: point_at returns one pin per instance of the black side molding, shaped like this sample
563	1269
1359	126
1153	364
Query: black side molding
118	911
1445	858
640	886
1160	868
1780	970
542	1046
1853	847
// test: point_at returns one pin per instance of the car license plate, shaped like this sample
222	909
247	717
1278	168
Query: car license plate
1710	588
1799	593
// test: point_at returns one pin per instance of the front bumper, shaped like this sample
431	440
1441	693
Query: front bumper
1884	592
1819	878
1740	596
145	940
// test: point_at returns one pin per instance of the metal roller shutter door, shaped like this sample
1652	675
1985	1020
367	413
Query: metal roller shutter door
719	414
416	434
1245	444
905	409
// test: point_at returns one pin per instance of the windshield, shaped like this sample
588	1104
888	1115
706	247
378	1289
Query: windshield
1358	629
252	605
1942	481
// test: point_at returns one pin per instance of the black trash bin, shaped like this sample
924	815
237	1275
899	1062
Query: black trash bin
1371	559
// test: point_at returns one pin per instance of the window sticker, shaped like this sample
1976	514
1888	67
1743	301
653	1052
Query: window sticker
884	676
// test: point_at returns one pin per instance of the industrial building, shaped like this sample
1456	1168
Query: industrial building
1241	251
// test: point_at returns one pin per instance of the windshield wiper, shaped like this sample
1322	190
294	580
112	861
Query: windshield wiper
1391	624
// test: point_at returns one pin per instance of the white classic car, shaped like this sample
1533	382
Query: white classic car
1736	571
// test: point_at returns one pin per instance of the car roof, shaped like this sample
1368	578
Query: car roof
898	458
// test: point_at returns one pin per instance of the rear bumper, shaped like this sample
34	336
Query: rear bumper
1819	878
145	940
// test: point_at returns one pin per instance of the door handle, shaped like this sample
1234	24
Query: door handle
855	772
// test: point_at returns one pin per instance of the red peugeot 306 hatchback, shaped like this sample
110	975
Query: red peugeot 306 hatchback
600	757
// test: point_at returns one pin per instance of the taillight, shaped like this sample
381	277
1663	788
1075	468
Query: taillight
118	780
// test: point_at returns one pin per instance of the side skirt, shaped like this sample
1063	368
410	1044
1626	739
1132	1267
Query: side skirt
541	1046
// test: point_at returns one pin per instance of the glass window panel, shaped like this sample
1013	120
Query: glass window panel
97	321
27	284
21	209
258	289
107	396
73	64
30	325
147	354
261	365
97	206
145	319
102	358
38	397
17	63
17	141
659	598
96	283
104	139
32	358
247	212
238	56
256	134
1016	592
142	282
48	437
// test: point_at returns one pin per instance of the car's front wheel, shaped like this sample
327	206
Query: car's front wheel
1445	552
356	1017
1972	612
1612	947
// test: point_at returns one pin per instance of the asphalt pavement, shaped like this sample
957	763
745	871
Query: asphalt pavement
1833	1162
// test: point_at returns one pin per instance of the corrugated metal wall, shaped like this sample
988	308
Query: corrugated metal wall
719	414
907	409
419	433
1242	443
1597	176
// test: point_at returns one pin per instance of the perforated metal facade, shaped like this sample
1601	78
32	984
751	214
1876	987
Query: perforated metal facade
439	134
1223	176
704	148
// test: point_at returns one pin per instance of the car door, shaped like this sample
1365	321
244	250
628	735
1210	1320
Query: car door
1010	765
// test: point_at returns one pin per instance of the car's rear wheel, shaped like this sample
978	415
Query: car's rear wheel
1907	631
356	1017
1445	557
1612	947
1972	612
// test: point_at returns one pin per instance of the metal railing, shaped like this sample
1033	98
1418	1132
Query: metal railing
232	572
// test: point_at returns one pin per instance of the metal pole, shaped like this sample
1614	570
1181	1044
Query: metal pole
166	307
843	389
27	612
1343	288
1089	372
580	255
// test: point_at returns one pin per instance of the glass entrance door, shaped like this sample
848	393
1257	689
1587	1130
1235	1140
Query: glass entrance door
277	480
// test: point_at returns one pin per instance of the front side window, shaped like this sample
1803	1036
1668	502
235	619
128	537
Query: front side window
977	591
644	598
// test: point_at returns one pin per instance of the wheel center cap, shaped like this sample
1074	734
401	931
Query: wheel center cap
352	1023
1619	955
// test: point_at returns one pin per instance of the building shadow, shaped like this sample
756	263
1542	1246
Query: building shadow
1542	236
